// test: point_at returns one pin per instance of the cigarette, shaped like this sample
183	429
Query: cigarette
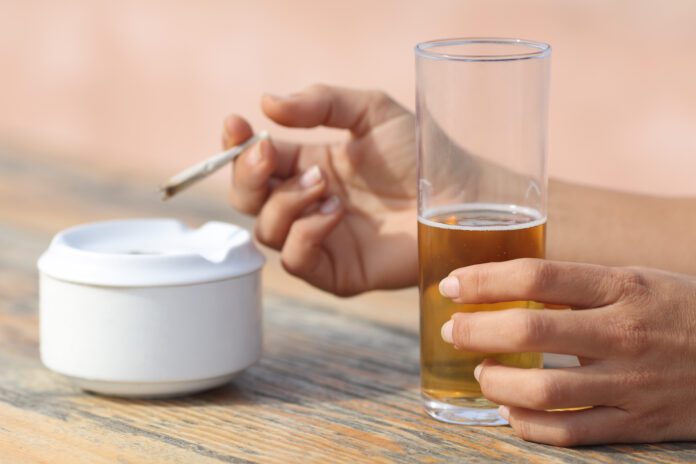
199	171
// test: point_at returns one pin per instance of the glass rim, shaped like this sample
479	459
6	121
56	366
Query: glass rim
539	49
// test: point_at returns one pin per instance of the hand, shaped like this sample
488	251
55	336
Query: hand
632	330
342	214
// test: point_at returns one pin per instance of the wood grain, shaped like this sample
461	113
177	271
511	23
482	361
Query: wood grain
335	384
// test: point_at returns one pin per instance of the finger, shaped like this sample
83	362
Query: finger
287	158
574	284
571	428
250	177
543	389
286	203
251	170
580	333
322	105
303	254
236	130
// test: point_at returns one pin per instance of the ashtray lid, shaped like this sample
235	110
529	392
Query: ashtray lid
150	252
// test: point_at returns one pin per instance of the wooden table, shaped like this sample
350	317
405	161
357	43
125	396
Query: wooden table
338	381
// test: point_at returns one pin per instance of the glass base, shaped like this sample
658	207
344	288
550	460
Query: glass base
474	411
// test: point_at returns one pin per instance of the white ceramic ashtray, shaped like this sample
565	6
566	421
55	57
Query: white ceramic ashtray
149	307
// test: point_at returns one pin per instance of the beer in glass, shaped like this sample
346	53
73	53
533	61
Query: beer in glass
481	110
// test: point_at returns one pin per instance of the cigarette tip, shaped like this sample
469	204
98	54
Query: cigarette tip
165	193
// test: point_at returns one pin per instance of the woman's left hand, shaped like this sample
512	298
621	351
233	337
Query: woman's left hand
633	330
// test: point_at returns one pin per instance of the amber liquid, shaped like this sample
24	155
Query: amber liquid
450	239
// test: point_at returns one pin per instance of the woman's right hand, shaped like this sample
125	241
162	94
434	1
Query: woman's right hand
343	215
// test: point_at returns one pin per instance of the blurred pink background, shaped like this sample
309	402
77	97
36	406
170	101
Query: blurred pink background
115	83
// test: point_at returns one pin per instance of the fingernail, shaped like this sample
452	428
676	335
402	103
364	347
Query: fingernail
330	205
255	156
449	287
504	412
477	372
446	331
311	177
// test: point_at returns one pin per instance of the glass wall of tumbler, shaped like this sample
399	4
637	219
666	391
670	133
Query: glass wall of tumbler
482	116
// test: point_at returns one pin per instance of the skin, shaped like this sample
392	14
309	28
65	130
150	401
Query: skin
342	217
637	363
620	229
355	247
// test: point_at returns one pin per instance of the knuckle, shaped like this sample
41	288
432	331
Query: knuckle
642	270
524	429
290	266
266	237
547	393
292	258
293	266
478	283
632	281
529	328
566	435
483	281
261	236
461	332
631	336
537	274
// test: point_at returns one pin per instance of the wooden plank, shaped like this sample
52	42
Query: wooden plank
328	385
27	436
335	383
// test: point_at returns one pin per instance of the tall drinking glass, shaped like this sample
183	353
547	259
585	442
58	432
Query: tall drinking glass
481	111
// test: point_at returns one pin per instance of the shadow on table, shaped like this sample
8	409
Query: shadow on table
314	355
665	452
290	380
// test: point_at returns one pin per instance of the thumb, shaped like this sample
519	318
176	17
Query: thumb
323	105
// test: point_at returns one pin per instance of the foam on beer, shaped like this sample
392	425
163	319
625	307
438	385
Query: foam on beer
520	217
